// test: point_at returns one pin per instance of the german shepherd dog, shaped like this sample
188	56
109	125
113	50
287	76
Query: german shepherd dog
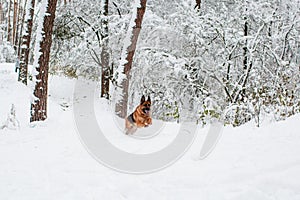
141	117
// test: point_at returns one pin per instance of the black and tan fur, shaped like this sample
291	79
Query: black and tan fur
141	117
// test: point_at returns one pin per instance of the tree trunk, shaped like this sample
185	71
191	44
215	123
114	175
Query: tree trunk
15	22
198	5
105	69
8	23
21	28
39	104
1	22
24	57
247	66
245	59
18	24
1	13
127	56
245	54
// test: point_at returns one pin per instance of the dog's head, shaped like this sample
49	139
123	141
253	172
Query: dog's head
145	105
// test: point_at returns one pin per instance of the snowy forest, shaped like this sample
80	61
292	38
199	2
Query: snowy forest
144	100
237	60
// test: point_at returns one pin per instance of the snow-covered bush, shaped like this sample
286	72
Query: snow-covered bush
11	121
7	53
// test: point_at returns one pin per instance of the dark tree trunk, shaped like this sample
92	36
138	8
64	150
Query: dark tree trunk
18	24
245	53
26	45
105	69
198	4
247	65
245	59
8	23
39	105
15	22
121	106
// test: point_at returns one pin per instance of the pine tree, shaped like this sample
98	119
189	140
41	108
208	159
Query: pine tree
44	40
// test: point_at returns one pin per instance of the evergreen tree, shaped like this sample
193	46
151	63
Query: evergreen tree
42	54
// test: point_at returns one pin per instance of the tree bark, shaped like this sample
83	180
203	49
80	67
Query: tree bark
105	69
8	23
245	59
18	24
247	66
39	104
21	28
1	22
198	4
1	13
25	48
121	105
15	22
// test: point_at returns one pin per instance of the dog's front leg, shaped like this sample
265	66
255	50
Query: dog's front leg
148	122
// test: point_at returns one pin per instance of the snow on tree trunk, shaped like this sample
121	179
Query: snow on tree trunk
128	50
105	69
24	57
41	60
23	10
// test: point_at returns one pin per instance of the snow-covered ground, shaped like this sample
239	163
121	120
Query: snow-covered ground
47	160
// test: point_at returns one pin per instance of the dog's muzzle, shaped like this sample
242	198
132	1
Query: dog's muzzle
146	110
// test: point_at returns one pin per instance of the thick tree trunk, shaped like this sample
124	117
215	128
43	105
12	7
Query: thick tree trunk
133	33
39	104
105	69
24	57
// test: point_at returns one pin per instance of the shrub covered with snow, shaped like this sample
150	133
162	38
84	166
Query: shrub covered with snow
7	53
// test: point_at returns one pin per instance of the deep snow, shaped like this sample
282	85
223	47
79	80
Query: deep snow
47	160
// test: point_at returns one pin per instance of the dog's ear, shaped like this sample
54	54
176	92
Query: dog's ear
142	99
149	99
